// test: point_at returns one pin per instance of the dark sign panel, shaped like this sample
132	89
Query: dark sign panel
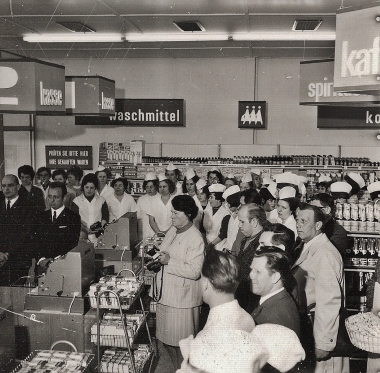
144	112
30	86
252	114
67	156
348	117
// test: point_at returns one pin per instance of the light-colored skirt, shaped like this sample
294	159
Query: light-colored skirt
174	324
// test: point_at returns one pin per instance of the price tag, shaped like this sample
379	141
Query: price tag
151	165
160	164
301	166
359	167
265	171
344	167
325	167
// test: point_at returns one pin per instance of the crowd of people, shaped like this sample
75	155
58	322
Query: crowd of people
256	251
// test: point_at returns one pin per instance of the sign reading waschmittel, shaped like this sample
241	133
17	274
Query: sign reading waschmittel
67	156
90	95
144	112
30	86
317	86
357	49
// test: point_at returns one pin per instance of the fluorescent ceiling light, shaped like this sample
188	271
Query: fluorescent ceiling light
252	36
73	38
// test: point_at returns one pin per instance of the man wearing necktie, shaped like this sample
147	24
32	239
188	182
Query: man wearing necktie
319	274
55	231
15	215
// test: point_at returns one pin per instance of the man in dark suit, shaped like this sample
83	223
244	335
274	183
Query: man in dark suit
270	269
55	231
15	215
252	218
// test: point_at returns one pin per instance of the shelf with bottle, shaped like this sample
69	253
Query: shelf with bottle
356	288
364	253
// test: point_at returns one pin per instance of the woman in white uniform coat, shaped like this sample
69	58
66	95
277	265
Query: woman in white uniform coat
160	209
144	204
286	208
104	189
189	187
119	203
173	174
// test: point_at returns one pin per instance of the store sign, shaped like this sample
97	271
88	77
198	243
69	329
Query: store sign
33	87
357	49
90	95
348	117
67	156
317	86
252	114
134	112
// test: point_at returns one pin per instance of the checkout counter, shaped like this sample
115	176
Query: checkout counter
58	308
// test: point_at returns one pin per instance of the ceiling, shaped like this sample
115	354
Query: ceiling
129	17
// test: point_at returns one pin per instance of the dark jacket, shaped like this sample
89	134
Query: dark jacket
35	196
337	235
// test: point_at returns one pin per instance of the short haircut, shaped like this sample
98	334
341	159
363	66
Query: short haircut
171	185
293	202
176	171
26	170
106	171
154	181
317	211
195	178
76	172
218	174
222	270
123	180
251	196
58	185
326	200
234	199
15	178
324	184
186	204
59	172
43	169
277	261
281	236
205	190
235	181
90	178
256	212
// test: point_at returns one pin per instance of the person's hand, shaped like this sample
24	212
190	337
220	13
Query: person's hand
164	257
321	354
3	258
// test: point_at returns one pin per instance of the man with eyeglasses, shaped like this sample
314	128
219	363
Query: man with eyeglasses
55	231
15	215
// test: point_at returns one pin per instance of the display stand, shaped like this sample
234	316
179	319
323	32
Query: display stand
117	304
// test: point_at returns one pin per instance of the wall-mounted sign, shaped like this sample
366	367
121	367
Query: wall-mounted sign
90	95
317	86
348	117
357	49
252	114
136	112
67	156
33	87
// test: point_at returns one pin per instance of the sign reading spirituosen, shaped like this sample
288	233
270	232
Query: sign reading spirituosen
144	112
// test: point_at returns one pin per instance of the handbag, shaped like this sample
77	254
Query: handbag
343	346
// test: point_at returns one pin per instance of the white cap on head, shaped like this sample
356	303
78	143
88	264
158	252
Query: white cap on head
287	178
272	188
214	169
161	176
287	192
303	179
269	191
189	174
357	179
374	190
231	190
340	189
150	176
324	178
101	168
255	171
267	180
217	188
171	167
246	178
200	184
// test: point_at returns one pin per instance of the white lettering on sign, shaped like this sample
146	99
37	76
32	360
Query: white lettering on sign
108	103
158	116
8	79
50	97
370	118
360	62
326	89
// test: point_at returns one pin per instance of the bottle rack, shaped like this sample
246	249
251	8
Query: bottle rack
128	340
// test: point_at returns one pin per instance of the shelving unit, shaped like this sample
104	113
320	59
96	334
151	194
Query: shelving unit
127	340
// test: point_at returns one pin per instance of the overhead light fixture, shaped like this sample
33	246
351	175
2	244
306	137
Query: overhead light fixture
252	36
74	38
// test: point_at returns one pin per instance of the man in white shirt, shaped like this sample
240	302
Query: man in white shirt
270	269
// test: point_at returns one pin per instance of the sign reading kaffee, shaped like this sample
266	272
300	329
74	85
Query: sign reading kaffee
357	49
31	86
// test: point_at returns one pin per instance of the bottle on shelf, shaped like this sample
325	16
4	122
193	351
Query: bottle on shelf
355	258
363	257
362	293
